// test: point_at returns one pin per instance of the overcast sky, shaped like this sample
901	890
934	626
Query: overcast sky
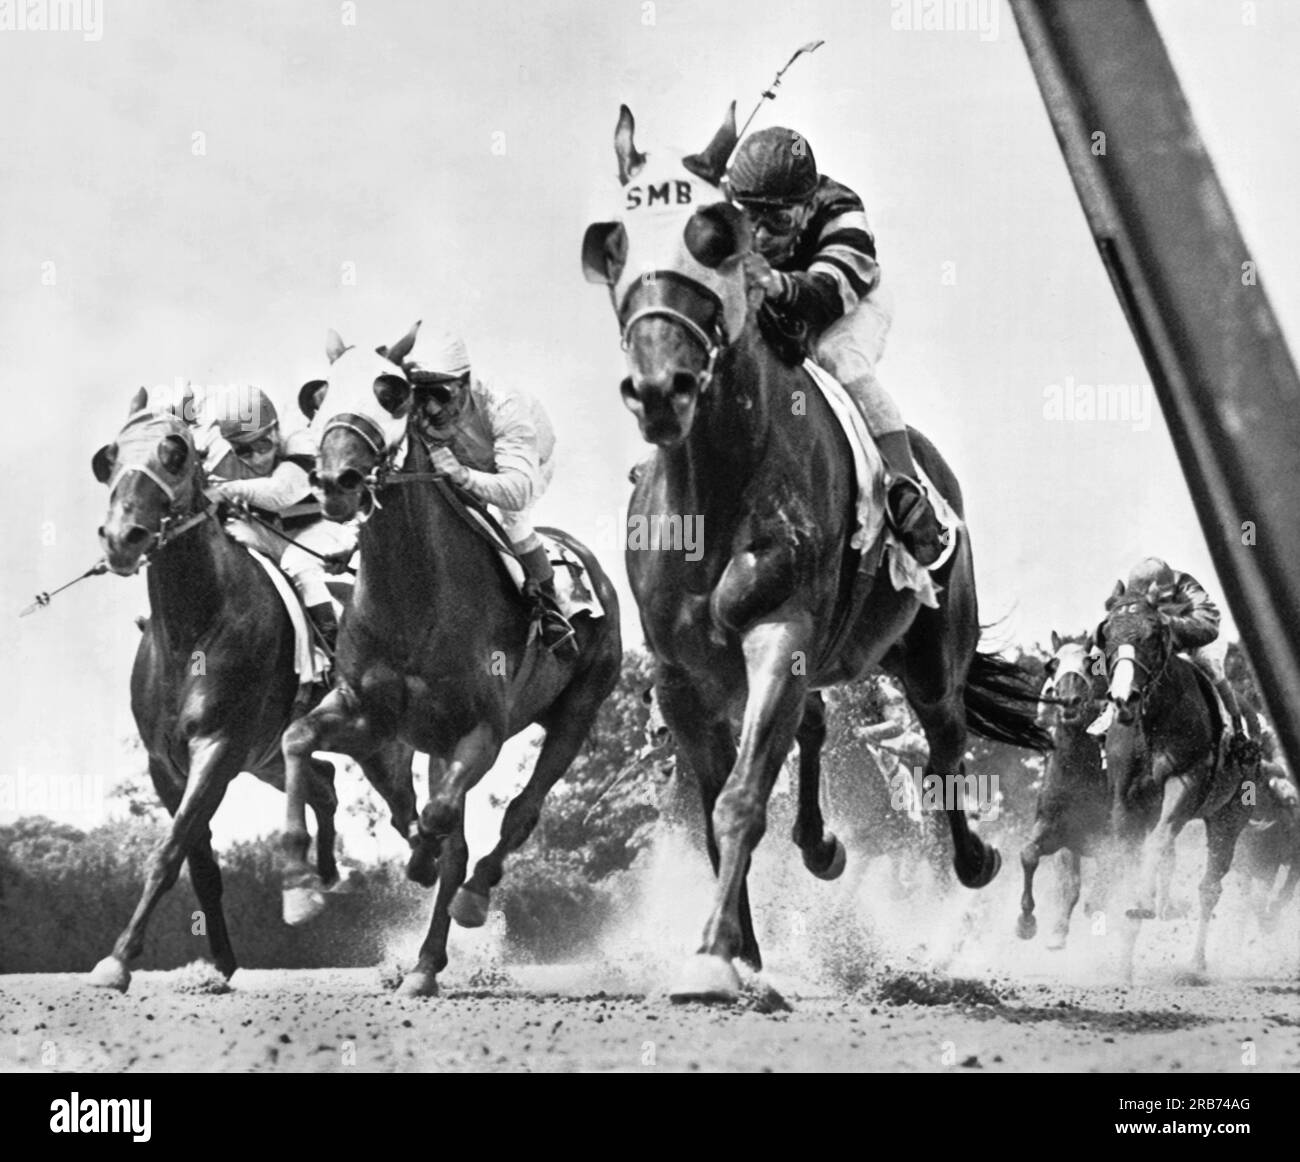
203	190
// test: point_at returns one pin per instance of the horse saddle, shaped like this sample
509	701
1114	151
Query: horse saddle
309	662
574	592
869	512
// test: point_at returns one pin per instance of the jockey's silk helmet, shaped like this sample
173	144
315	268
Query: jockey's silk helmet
445	358
246	414
1150	571
774	167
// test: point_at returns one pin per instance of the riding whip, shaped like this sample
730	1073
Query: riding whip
43	599
769	94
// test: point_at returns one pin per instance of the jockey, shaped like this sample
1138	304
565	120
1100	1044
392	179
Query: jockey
816	264
1193	620
498	446
257	467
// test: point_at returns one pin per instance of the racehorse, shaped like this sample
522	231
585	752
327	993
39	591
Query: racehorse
213	685
767	613
1073	812
434	653
1167	762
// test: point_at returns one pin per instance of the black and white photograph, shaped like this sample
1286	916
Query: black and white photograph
650	536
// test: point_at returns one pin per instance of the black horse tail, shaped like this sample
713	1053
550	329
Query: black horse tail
1002	704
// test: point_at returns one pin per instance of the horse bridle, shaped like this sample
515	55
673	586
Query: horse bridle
177	519
1156	677
712	341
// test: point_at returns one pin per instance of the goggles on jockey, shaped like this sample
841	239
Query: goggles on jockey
776	219
257	447
441	389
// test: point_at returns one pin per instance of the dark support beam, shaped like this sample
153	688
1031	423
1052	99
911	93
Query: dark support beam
1191	292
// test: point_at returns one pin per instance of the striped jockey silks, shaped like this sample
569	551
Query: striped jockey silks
833	265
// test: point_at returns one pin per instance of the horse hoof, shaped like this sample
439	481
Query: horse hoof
422	867
835	866
301	905
1026	927
707	978
1055	942
1141	913
469	909
418	984
110	973
990	865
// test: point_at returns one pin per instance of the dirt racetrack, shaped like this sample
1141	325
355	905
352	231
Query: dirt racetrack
873	983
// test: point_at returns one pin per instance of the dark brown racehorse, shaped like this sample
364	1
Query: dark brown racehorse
1167	763
1073	813
434	653
213	685
768	614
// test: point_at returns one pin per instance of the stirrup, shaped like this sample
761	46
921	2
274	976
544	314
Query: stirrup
915	523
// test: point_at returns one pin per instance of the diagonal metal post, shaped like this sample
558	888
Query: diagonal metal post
1190	289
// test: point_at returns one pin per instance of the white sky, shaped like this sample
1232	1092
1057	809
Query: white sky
377	145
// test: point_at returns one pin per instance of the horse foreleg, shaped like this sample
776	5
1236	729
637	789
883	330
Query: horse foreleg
324	803
1158	850
337	725
1071	881
772	710
1221	832
211	767
568	722
823	853
1030	854
442	823
205	877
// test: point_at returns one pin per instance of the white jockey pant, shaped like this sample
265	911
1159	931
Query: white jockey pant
518	525
305	571
851	347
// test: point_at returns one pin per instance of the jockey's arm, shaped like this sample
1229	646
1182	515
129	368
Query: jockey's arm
843	270
285	486
287	482
1198	624
513	486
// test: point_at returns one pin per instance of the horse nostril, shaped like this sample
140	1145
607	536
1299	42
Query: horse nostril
135	535
628	391
684	383
313	478
349	480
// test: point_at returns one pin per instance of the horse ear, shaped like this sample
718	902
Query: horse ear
393	393
716	233
139	402
630	160
101	463
711	162
1099	636
1056	641
402	348
603	244
334	345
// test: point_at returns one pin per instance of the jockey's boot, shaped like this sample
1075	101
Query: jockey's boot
326	622
908	509
557	633
1241	745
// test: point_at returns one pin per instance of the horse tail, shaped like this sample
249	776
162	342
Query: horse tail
1002	705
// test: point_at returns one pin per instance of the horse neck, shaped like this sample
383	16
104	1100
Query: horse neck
187	582
1073	748
710	470
409	548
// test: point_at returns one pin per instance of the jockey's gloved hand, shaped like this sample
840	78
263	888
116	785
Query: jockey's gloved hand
446	464
224	505
338	562
759	273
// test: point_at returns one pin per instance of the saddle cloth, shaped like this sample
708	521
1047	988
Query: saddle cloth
574	592
308	662
869	471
